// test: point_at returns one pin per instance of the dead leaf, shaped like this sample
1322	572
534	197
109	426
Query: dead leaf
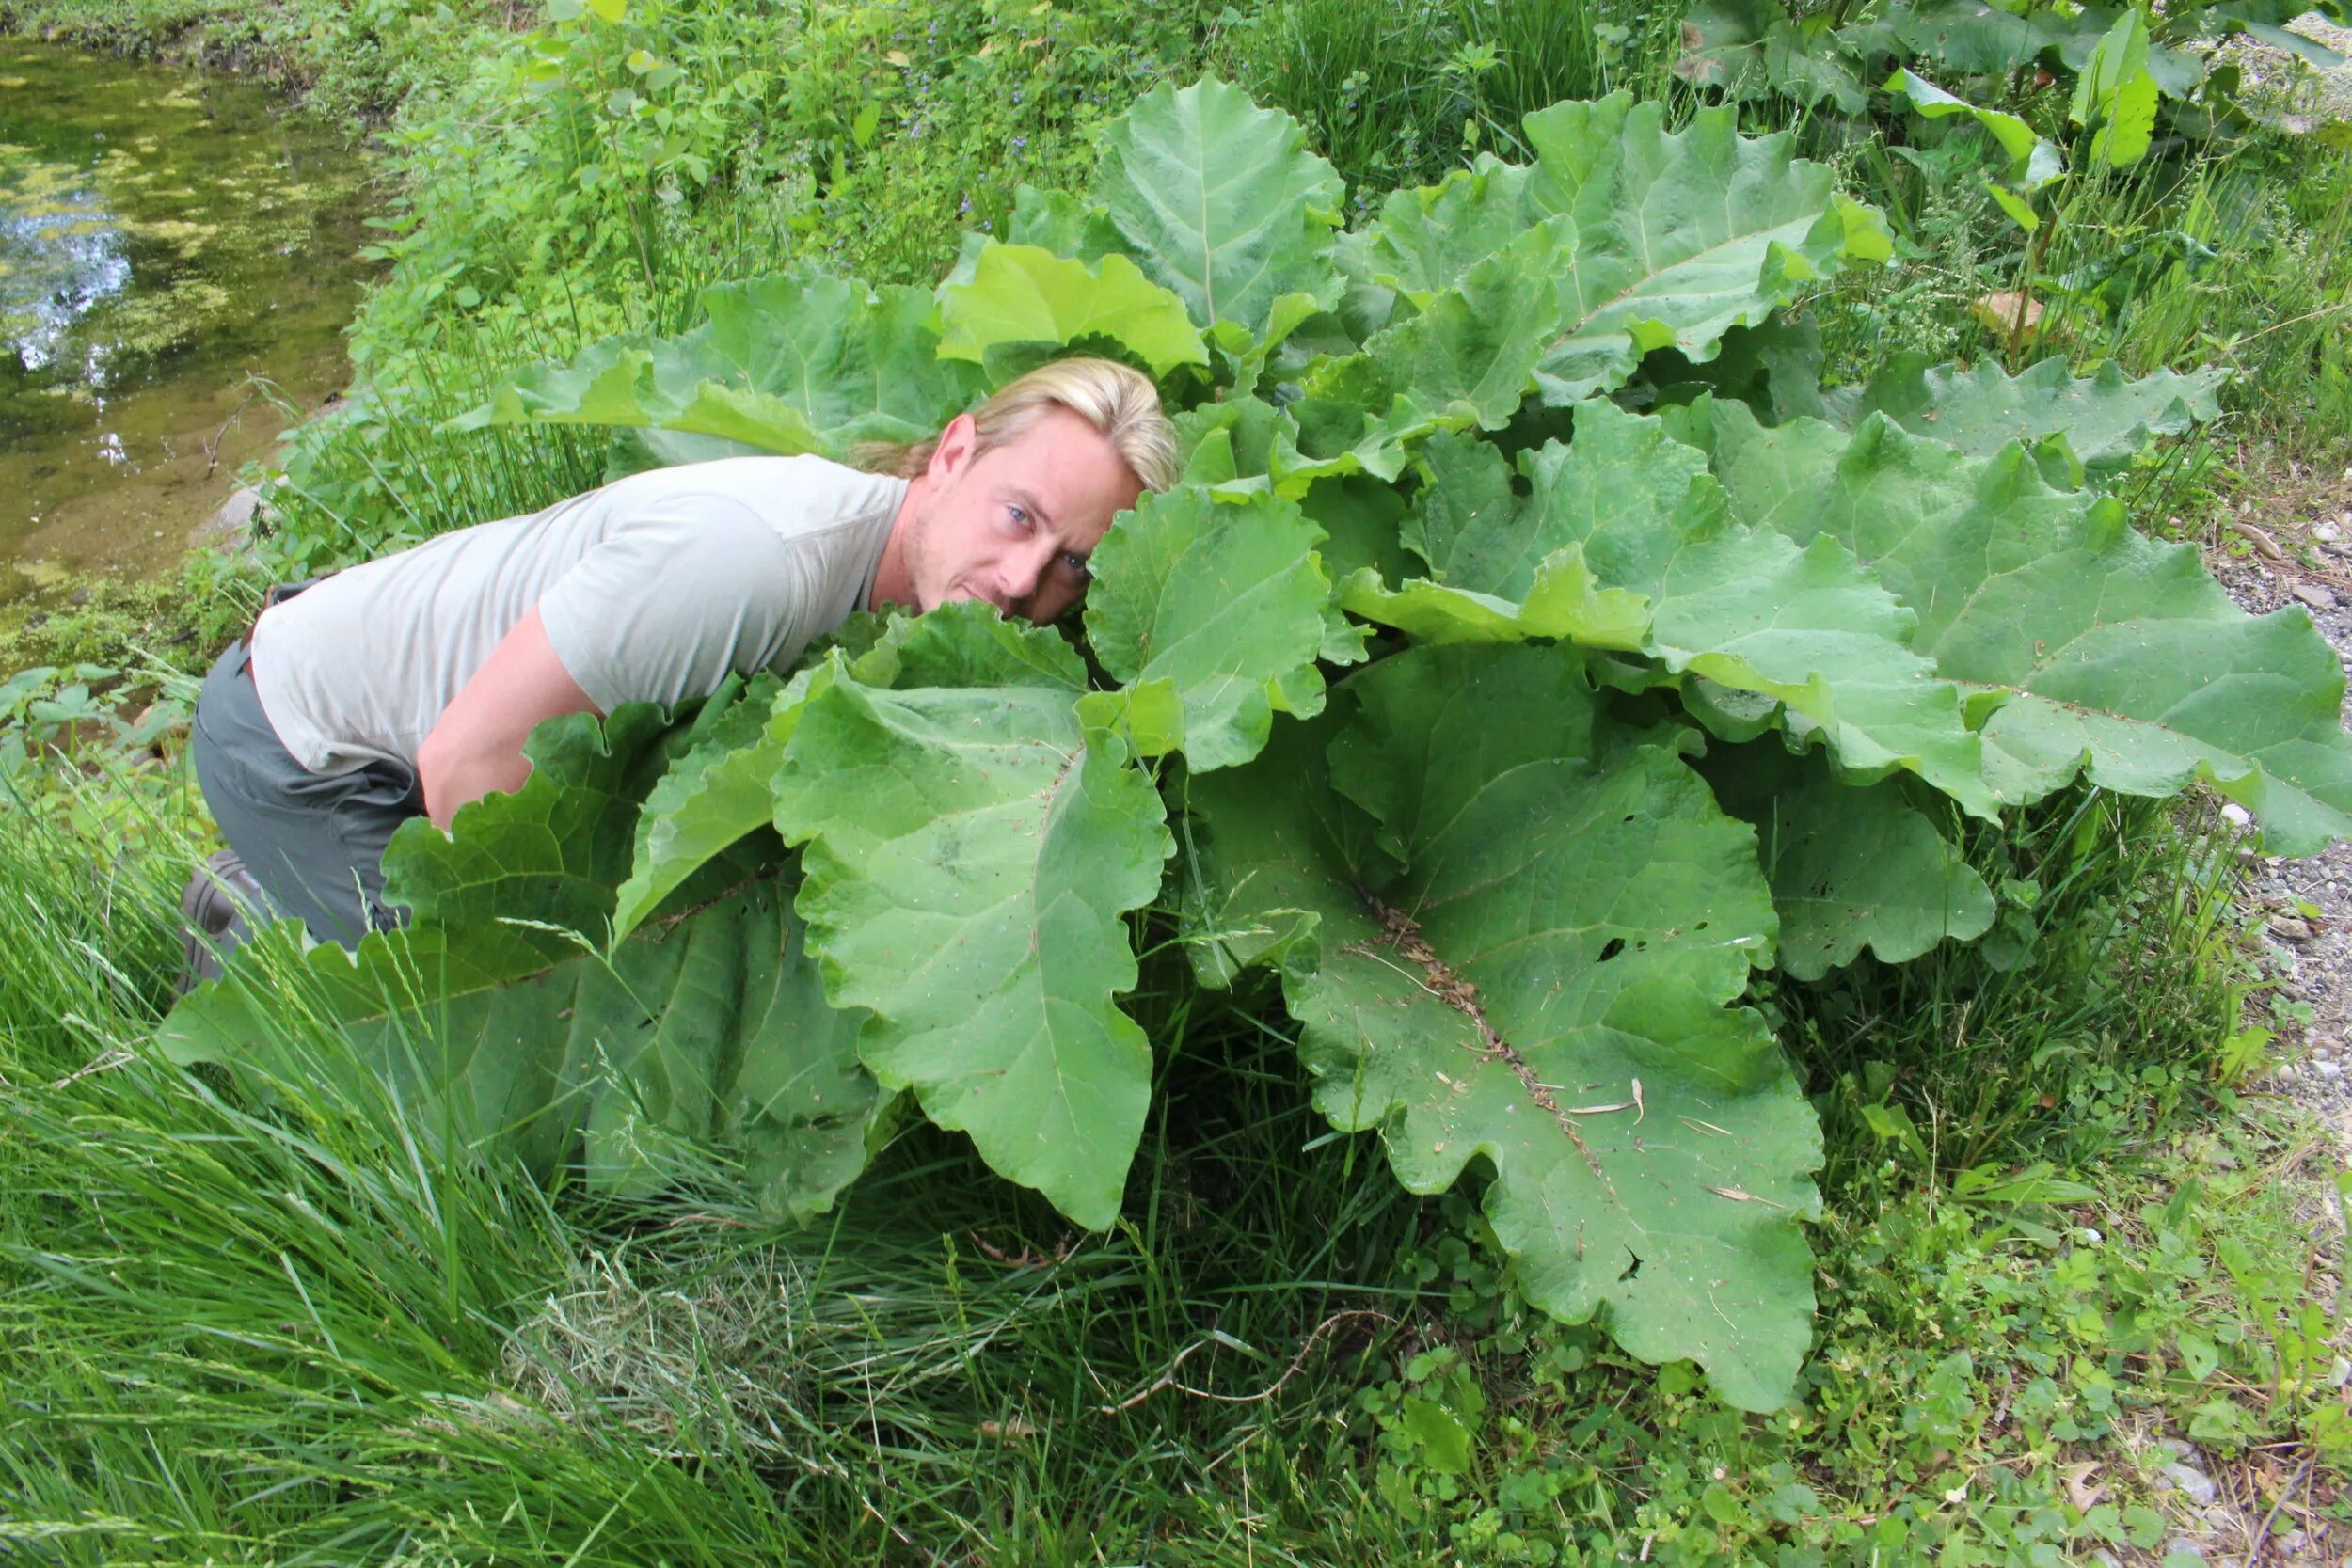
2008	312
2258	539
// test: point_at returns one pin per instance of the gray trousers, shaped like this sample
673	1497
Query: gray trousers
314	842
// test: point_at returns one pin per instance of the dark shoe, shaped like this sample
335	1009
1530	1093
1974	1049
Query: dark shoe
213	910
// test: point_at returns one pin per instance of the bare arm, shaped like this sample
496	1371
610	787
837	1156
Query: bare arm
477	744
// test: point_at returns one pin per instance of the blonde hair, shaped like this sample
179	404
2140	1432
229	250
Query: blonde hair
1119	401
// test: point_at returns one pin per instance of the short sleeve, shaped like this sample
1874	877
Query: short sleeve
674	598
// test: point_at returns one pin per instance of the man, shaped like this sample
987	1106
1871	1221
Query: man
406	686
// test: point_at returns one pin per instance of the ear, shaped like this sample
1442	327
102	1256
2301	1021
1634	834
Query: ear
953	453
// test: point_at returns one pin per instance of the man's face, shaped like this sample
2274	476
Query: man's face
1015	525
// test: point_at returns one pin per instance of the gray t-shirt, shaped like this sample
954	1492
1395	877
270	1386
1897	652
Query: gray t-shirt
651	589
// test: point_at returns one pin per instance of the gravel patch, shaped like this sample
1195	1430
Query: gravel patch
2313	97
2293	549
2302	555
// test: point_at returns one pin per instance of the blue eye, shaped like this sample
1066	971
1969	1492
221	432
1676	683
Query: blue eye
1020	516
1075	561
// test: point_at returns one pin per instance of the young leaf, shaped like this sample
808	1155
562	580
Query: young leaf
1469	356
1058	222
711	798
1425	238
970	853
1548	981
1850	867
1020	294
2033	162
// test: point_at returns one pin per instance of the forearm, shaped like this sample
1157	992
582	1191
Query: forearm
451	779
477	745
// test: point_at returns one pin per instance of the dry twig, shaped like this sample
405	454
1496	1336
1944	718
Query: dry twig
1168	1378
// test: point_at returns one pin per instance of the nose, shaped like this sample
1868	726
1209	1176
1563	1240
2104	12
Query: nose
1025	571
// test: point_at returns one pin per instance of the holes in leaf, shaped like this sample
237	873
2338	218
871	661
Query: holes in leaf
1611	948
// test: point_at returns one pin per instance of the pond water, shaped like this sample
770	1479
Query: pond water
166	238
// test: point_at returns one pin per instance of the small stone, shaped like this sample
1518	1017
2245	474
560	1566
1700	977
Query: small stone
2289	928
2194	1484
2285	1075
2181	1549
2327	533
2341	1373
231	524
2329	1069
2106	1559
2314	595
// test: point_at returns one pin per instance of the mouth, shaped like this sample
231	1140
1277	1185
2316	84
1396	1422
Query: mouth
965	591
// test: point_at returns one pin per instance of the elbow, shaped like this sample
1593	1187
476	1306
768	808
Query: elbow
433	769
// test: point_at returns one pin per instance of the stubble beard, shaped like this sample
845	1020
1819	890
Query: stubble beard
918	556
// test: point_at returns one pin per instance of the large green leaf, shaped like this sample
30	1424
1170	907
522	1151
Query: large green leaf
970	854
1424	238
711	796
508	1024
718	790
1680	236
1468	355
1750	49
2106	654
2105	418
788	364
1973	37
1225	605
1220	202
1850	868
1624	541
1540	967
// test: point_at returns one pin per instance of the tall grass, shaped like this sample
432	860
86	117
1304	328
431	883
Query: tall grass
2099	1003
1396	95
269	1318
2235	251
